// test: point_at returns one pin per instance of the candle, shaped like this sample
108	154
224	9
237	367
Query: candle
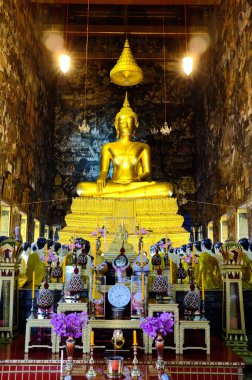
33	284
94	258
193	263
73	244
141	258
94	285
64	275
46	257
140	232
143	286
170	271
92	338
134	338
61	362
203	287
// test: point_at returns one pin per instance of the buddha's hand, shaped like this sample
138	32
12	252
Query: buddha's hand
101	183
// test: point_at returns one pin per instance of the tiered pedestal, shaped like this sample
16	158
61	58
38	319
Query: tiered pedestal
157	215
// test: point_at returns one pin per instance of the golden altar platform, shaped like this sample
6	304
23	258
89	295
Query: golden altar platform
157	215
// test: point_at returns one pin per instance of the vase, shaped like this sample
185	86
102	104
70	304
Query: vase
70	345
159	344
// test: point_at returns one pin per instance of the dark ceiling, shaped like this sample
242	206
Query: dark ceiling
171	19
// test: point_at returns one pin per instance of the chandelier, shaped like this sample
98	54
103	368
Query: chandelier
84	127
154	131
165	129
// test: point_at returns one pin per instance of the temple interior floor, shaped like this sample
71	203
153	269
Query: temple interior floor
181	367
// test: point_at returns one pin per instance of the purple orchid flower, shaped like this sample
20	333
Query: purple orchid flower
163	324
66	325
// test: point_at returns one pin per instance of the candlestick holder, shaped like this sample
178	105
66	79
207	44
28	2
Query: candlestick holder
203	317
135	371
91	297
63	293
32	315
47	273
143	309
91	372
171	293
92	310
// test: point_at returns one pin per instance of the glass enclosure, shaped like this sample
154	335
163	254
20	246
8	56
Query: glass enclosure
36	229
5	219
210	230
223	228
24	226
242	223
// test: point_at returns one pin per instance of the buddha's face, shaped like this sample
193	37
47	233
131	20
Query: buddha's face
126	125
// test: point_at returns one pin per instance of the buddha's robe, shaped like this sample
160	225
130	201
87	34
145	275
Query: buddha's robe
208	266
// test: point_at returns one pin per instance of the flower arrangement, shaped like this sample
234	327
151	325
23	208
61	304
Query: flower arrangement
50	256
189	258
163	324
66	325
100	232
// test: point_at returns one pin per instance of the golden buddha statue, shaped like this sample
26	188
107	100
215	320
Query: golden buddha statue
131	165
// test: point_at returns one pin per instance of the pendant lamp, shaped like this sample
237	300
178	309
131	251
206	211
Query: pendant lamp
65	59
126	72
187	61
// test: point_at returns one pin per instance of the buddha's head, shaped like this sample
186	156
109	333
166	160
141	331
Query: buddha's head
126	114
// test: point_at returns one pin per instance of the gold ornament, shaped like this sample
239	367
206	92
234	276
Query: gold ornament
118	339
126	72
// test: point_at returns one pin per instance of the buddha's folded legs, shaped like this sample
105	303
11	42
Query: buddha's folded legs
133	189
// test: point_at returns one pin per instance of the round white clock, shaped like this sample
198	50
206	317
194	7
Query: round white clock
119	295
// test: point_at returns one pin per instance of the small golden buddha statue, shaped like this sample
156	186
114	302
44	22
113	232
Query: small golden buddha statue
120	239
131	165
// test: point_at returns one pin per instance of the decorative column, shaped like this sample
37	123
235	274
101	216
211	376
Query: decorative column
9	270
233	321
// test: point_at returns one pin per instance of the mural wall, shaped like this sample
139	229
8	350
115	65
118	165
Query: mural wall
224	142
26	114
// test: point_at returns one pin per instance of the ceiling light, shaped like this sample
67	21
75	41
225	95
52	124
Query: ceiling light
187	61
64	61
187	64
